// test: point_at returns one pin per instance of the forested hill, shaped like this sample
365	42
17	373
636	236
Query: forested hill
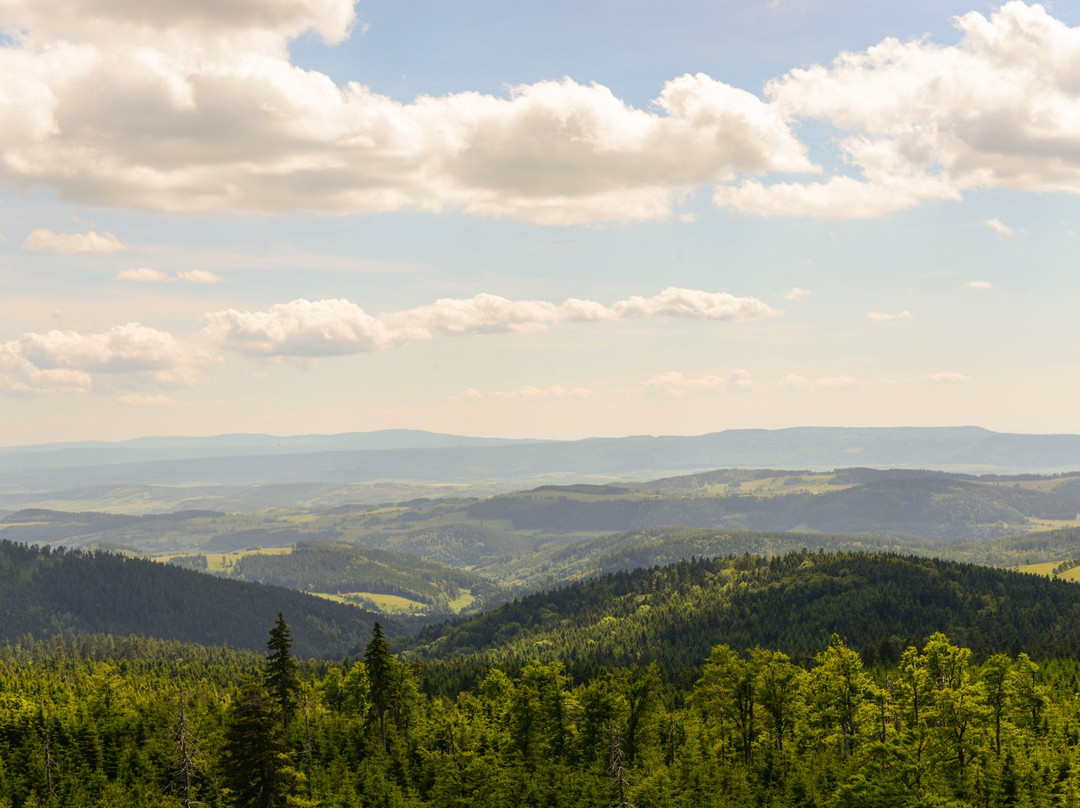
47	592
674	615
930	505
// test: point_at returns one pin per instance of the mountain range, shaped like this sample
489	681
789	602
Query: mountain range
30	473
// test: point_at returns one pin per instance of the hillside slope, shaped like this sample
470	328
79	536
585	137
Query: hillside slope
674	615
48	592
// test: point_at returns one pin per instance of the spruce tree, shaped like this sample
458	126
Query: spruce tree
281	679
256	763
379	663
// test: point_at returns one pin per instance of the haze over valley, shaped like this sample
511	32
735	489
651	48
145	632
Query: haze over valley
539	405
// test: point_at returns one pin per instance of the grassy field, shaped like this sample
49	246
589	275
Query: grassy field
1047	569
221	562
387	604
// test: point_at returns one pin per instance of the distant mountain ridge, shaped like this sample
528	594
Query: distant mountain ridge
407	455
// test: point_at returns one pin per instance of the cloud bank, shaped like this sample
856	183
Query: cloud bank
197	107
923	121
135	354
179	106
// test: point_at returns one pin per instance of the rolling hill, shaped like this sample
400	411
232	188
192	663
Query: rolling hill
48	592
674	615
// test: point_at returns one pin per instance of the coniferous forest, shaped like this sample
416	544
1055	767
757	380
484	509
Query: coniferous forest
705	683
104	722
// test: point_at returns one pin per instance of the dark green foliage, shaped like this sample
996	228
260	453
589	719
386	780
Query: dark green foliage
752	729
255	760
281	681
46	592
793	603
380	664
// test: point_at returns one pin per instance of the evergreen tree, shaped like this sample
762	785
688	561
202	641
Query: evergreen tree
379	664
256	761
281	679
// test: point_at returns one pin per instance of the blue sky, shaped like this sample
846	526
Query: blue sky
543	220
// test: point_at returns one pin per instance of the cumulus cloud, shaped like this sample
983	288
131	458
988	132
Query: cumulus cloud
181	106
1000	228
887	317
924	121
304	328
979	285
66	361
795	293
197	107
143	275
20	376
69	243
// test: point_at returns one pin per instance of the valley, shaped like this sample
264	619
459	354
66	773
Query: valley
473	643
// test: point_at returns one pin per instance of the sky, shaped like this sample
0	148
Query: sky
548	220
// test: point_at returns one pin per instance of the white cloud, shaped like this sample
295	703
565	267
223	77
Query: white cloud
885	317
135	354
919	121
20	376
1000	228
115	21
795	293
144	275
148	275
675	383
304	328
181	106
66	361
979	285
69	243
199	276
795	380
135	400
837	198
197	107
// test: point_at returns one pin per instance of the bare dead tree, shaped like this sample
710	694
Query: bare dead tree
616	769
47	753
307	723
184	738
